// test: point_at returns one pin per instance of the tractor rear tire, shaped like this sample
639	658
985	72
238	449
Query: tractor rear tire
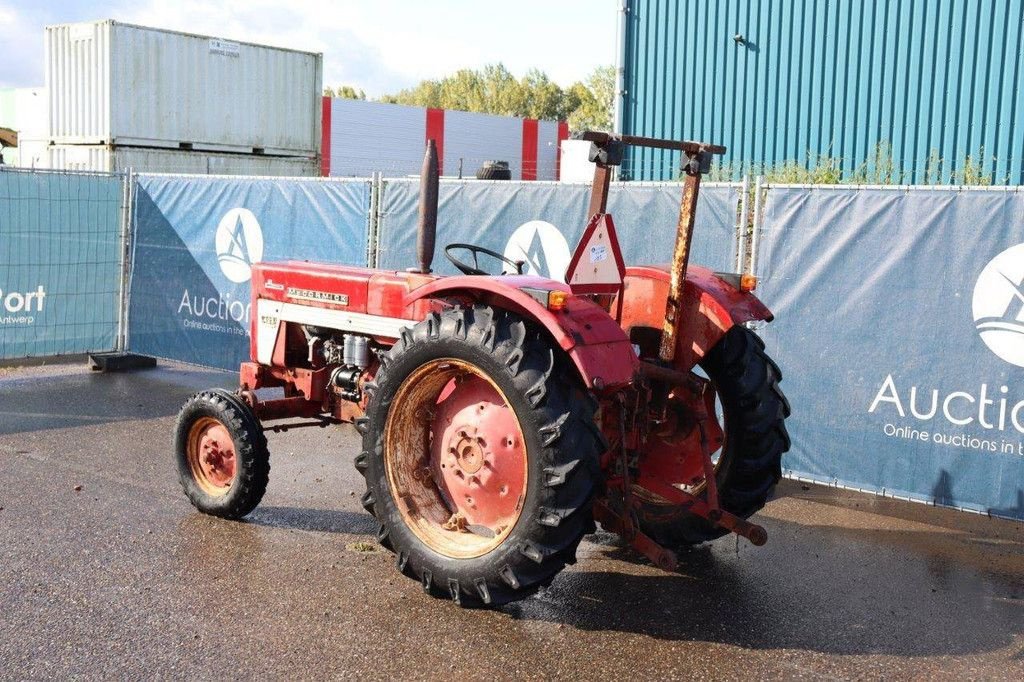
494	170
221	452
755	410
509	359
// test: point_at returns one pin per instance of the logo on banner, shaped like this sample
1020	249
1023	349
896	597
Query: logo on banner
999	305
239	244
542	246
17	307
986	418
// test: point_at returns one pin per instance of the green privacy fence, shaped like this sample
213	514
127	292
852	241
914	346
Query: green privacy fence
62	246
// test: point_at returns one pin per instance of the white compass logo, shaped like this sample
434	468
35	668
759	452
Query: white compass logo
542	246
239	244
999	305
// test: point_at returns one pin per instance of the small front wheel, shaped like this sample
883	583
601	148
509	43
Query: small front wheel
222	456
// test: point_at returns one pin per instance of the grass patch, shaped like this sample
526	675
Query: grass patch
363	547
881	168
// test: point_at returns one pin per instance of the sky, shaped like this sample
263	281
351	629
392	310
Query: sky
380	46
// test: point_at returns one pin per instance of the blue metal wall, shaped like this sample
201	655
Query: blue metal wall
834	77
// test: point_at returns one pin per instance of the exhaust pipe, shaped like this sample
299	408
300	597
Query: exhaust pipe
428	209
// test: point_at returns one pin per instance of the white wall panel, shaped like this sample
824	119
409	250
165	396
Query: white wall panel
476	138
547	149
371	136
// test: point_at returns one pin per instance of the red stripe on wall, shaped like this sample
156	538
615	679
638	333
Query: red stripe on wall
563	134
325	138
435	132
529	149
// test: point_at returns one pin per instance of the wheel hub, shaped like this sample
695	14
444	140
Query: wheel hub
456	458
211	455
468	452
481	455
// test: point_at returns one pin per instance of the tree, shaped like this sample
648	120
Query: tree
543	98
494	90
596	100
491	90
344	92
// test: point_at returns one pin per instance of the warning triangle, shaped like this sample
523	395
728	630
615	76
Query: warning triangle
597	266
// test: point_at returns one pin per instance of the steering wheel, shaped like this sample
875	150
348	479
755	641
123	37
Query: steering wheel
476	251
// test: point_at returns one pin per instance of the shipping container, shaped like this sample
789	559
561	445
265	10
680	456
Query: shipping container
142	160
120	84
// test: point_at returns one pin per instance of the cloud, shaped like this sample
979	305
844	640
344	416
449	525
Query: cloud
379	46
300	24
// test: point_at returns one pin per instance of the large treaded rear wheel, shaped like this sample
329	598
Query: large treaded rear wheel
471	557
755	410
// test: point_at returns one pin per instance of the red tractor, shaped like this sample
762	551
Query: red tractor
501	415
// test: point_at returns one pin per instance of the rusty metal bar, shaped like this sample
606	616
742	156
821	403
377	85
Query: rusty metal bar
319	423
599	190
283	408
673	377
623	526
427	234
718	516
680	260
688	146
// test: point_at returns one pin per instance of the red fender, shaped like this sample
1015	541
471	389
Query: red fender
710	307
595	342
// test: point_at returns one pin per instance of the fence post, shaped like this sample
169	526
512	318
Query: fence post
758	217
742	225
376	191
128	193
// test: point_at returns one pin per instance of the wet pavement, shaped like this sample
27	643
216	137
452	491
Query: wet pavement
122	578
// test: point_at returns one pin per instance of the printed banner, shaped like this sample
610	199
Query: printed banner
900	332
60	263
196	239
541	223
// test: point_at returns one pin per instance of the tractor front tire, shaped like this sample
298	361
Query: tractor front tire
221	452
480	454
755	410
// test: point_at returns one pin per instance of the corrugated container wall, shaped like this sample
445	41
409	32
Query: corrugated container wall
113	83
116	159
912	84
367	137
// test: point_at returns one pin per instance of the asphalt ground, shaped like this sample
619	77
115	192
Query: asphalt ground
107	572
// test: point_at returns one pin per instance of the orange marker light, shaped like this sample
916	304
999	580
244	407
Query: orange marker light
557	300
748	282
